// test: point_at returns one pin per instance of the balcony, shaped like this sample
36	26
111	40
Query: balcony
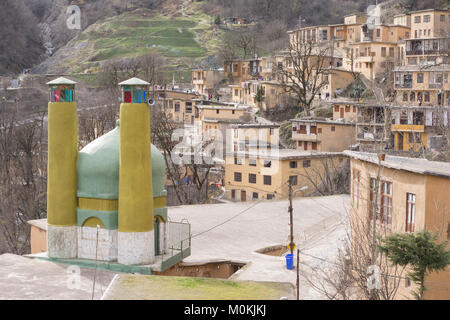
403	85
416	52
408	127
435	85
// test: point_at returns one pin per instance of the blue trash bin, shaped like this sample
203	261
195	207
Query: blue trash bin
289	261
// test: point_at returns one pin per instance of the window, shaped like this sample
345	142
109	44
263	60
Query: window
217	111
293	164
306	163
412	96
355	188
383	51
303	129
293	180
426	18
420	78
177	107
270	196
410	211
405	96
314	145
333	128
188	107
385	216
417	19
252	162
427	96
336	108
255	195
237	176
271	131
378	33
313	130
319	130
238	161
442	18
267	180
347	108
391	52
252	178
236	92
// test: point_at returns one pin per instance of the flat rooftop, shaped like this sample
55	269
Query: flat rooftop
235	231
282	154
230	231
23	278
416	165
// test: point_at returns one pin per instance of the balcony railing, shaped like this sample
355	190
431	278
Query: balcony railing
414	52
404	85
178	245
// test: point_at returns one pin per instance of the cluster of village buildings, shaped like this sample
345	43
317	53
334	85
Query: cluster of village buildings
413	51
225	105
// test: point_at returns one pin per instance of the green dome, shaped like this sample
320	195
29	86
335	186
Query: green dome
98	168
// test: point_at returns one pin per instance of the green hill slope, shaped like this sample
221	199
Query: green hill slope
182	37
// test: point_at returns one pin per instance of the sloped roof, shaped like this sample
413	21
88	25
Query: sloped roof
61	80
134	82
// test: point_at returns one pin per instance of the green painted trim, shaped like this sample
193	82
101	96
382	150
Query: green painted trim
109	218
175	259
162	212
101	265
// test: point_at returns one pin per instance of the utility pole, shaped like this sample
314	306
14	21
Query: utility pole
291	219
298	274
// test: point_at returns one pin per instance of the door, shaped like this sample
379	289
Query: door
342	113
156	228
400	141
243	195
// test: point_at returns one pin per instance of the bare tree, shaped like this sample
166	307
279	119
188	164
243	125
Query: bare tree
304	72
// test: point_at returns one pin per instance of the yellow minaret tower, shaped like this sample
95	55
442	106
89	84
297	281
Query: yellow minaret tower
136	234
62	170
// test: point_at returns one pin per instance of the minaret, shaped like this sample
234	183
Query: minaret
62	170
136	234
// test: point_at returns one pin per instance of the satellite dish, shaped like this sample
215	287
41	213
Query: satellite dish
151	102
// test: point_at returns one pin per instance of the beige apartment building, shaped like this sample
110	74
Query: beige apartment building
320	135
421	105
264	174
245	137
223	112
205	80
179	106
370	121
413	197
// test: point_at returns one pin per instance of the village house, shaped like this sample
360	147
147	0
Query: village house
413	196
263	174
179	106
422	104
204	81
320	134
248	136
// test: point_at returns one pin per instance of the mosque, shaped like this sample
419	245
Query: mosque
106	202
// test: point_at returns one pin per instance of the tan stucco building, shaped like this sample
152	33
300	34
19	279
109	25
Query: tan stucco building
263	174
323	135
414	197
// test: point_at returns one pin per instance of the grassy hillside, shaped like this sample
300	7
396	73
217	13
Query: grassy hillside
181	36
